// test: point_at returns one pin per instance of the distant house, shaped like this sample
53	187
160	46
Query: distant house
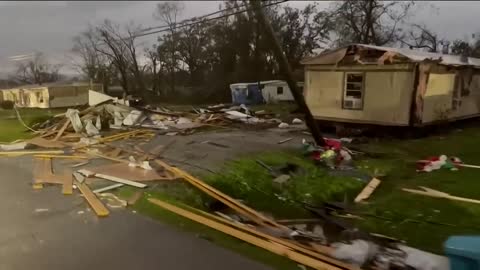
52	95
261	92
391	86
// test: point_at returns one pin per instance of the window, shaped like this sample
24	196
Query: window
279	90
353	91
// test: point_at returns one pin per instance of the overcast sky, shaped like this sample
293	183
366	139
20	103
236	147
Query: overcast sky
49	26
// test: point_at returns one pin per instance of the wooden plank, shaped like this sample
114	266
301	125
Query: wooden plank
259	242
368	190
234	204
128	172
61	156
60	132
438	194
107	188
67	187
298	247
120	180
44	143
21	153
92	200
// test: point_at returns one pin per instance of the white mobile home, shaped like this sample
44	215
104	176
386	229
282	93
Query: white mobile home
391	86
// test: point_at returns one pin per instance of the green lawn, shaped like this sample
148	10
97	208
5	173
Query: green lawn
410	216
11	129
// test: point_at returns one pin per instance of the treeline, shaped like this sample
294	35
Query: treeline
197	60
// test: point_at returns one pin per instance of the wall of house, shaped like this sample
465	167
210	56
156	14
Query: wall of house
447	98
27	97
68	96
387	93
270	94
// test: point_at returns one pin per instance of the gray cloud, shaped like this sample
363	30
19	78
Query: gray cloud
50	26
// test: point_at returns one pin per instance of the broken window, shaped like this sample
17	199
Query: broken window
353	90
279	90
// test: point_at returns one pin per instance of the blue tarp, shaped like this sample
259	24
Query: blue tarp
251	94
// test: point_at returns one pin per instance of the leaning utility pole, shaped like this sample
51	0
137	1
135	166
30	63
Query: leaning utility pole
285	69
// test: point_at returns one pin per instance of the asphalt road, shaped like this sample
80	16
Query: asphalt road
46	230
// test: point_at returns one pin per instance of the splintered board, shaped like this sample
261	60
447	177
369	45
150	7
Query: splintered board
93	201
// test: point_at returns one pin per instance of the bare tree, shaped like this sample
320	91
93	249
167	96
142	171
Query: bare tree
93	64
421	37
366	21
37	70
168	13
152	56
112	47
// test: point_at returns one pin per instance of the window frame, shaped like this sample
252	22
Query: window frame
344	89
280	88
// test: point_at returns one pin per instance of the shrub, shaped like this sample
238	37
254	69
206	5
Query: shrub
7	104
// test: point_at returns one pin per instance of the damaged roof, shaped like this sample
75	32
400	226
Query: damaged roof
334	56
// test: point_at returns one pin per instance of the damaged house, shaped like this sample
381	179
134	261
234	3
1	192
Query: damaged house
53	95
391	86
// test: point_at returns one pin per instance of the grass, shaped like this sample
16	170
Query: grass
12	129
410	217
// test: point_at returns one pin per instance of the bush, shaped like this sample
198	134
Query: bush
7	104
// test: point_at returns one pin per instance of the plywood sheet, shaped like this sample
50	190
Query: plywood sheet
122	170
41	142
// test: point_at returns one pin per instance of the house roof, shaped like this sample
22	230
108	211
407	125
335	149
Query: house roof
334	56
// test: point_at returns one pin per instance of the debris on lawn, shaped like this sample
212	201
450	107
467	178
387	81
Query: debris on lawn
438	162
438	194
442	162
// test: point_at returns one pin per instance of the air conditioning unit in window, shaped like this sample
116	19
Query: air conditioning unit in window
352	103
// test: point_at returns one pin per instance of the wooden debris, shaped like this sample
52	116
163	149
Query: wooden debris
232	203
44	143
438	194
61	156
67	187
64	127
80	164
93	201
78	177
120	180
257	241
284	141
133	173
107	188
368	190
21	153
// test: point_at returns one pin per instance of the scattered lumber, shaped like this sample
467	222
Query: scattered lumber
234	204
368	190
107	188
259	242
120	180
93	201
284	141
438	194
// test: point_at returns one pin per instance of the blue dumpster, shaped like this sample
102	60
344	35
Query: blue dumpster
463	252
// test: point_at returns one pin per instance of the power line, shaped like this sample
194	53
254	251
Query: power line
193	18
203	21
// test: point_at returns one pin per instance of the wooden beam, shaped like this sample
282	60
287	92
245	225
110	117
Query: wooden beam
286	70
259	242
92	200
120	180
234	204
61	156
60	132
438	194
67	187
367	190
287	243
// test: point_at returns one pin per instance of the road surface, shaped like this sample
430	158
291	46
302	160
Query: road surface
43	229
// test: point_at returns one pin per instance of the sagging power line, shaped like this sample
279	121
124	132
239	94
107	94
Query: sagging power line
182	24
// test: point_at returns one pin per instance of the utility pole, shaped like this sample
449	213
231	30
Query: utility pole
286	70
